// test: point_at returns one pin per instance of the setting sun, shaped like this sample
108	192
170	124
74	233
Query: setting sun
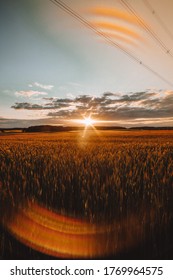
88	121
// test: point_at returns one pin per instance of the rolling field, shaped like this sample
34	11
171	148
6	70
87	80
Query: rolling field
118	185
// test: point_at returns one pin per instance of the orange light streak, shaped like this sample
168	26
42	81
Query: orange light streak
65	237
111	12
117	28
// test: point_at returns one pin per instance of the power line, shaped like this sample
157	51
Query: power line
82	20
146	27
154	13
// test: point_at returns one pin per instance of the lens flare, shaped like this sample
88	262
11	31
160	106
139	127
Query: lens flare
65	237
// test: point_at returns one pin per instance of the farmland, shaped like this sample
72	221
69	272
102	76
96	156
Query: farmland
123	178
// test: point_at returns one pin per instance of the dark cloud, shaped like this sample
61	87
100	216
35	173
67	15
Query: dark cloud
83	99
48	98
26	106
109	94
62	100
47	106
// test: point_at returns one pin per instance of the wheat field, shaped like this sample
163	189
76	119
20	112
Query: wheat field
119	178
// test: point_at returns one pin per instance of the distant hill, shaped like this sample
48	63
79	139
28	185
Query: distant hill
14	129
151	128
110	127
50	128
46	128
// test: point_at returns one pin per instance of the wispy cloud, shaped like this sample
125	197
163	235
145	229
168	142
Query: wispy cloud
29	93
108	106
46	87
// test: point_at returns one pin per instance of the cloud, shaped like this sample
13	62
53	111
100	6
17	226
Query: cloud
46	87
29	93
108	106
52	104
48	98
27	106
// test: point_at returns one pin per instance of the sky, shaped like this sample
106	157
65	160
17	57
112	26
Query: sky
117	68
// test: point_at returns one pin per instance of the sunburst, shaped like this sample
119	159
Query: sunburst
88	121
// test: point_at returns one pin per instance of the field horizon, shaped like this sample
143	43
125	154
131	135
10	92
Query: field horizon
57	128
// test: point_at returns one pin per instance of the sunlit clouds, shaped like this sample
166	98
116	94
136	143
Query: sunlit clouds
108	107
33	92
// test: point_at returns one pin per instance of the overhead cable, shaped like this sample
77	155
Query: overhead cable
147	28
159	19
85	22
